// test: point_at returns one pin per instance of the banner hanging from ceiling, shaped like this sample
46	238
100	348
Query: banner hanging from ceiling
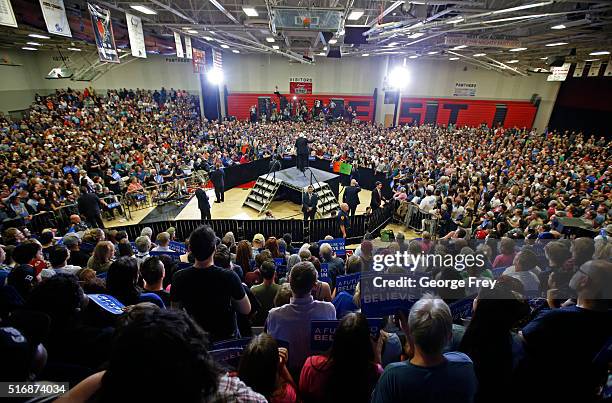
559	73
300	85
7	16
103	32
188	48
608	71
179	45
54	14
594	70
579	69
217	59
198	61
137	42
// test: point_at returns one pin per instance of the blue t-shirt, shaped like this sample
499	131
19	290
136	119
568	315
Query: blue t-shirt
344	304
453	381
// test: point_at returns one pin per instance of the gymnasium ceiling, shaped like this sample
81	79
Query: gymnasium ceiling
425	29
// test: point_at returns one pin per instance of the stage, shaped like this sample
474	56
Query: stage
293	182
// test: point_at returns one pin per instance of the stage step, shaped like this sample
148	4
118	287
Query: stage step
262	193
327	200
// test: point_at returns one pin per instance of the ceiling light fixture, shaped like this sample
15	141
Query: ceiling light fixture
453	58
250	11
270	39
479	54
413	57
517	50
432	52
560	26
39	36
321	53
143	9
34	43
599	53
416	35
28	48
332	41
208	38
224	46
192	31
74	49
236	51
455	20
355	15
523	7
544	58
556	44
459	47
512	61
365	55
275	47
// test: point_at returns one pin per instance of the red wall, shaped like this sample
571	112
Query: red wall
476	112
238	104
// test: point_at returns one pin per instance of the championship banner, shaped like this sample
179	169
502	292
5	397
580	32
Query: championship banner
217	59
608	71
103	32
137	42
464	90
579	69
300	85
54	14
594	70
7	16
198	61
188	49
486	42
559	73
179	45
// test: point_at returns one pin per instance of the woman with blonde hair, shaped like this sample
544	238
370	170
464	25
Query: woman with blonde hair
102	257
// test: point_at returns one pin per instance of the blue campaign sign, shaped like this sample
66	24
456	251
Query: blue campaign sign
347	282
176	256
234	343
337	244
382	301
279	261
107	302
227	357
498	271
134	248
281	271
324	276
462	309
322	332
178	246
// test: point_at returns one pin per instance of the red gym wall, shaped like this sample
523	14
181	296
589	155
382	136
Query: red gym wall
467	112
239	104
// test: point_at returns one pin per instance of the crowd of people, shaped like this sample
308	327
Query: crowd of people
497	194
129	140
177	306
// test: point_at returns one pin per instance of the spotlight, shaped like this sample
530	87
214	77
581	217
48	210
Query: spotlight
294	97
398	78
215	76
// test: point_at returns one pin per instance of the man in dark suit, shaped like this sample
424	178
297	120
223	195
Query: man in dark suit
203	203
89	206
217	178
351	196
302	150
378	200
309	204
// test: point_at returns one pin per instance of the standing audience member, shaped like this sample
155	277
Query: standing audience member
428	375
265	292
291	322
349	371
210	294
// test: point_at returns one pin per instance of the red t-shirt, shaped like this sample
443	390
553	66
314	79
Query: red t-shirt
314	377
